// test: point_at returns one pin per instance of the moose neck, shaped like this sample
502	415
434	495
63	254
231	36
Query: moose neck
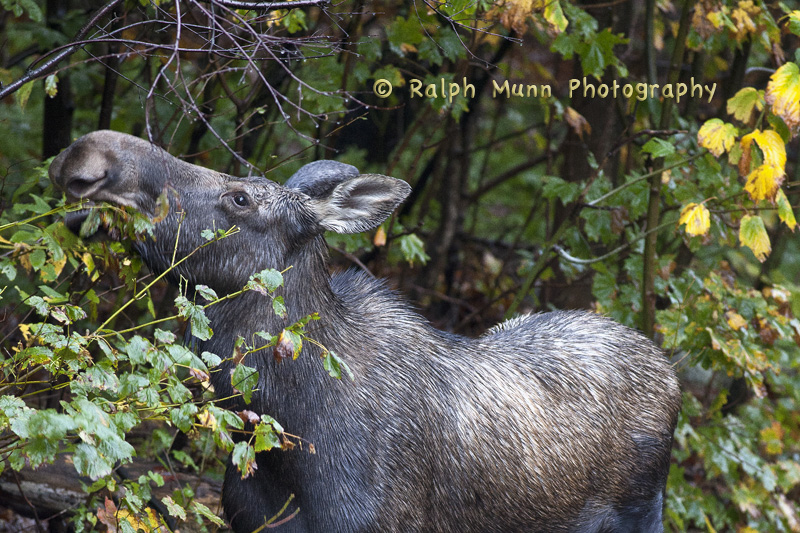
306	290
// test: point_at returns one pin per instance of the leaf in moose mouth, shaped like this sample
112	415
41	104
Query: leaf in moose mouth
91	223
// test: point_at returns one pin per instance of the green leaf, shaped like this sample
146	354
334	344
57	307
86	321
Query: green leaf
278	306
244	457
206	292
658	147
23	94
38	303
753	234
245	380
51	85
139	350
205	512
555	187
183	416
173	508
413	249
265	282
404	31
211	359
7	268
89	462
196	316
267	434
334	365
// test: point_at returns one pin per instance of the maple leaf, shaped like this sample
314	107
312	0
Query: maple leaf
696	217
783	95
717	136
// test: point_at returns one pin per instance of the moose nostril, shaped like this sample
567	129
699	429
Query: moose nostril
81	187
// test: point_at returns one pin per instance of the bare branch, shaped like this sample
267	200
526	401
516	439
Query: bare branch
51	64
268	6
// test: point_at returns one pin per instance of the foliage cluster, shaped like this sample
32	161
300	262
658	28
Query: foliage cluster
677	217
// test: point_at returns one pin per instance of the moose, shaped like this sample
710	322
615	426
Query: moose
551	422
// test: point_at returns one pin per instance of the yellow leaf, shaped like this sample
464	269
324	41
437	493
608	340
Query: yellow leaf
735	320
555	16
744	24
743	103
753	234
380	237
785	211
91	270
771	146
715	17
25	329
696	217
772	437
578	123
207	420
717	136
763	183
783	94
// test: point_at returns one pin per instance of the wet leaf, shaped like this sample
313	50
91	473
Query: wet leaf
717	136
245	380
696	217
244	457
380	237
783	94
744	103
753	234
735	320
763	183
785	211
289	345
577	122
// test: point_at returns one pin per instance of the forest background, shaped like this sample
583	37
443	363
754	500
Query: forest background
674	216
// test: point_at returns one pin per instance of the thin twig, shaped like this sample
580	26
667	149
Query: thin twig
51	64
268	6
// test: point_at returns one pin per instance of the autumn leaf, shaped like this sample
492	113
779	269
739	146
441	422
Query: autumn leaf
763	183
380	237
289	345
717	136
771	146
753	234
735	320
516	12
772	437
578	123
696	217
742	104
785	211
742	20
783	95
554	15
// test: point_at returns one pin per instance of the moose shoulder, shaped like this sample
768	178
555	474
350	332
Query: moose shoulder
555	422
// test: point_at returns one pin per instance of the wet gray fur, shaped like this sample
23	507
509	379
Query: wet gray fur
555	422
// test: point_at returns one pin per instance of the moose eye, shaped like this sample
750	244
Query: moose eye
241	199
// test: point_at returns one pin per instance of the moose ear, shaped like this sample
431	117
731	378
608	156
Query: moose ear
360	203
319	178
